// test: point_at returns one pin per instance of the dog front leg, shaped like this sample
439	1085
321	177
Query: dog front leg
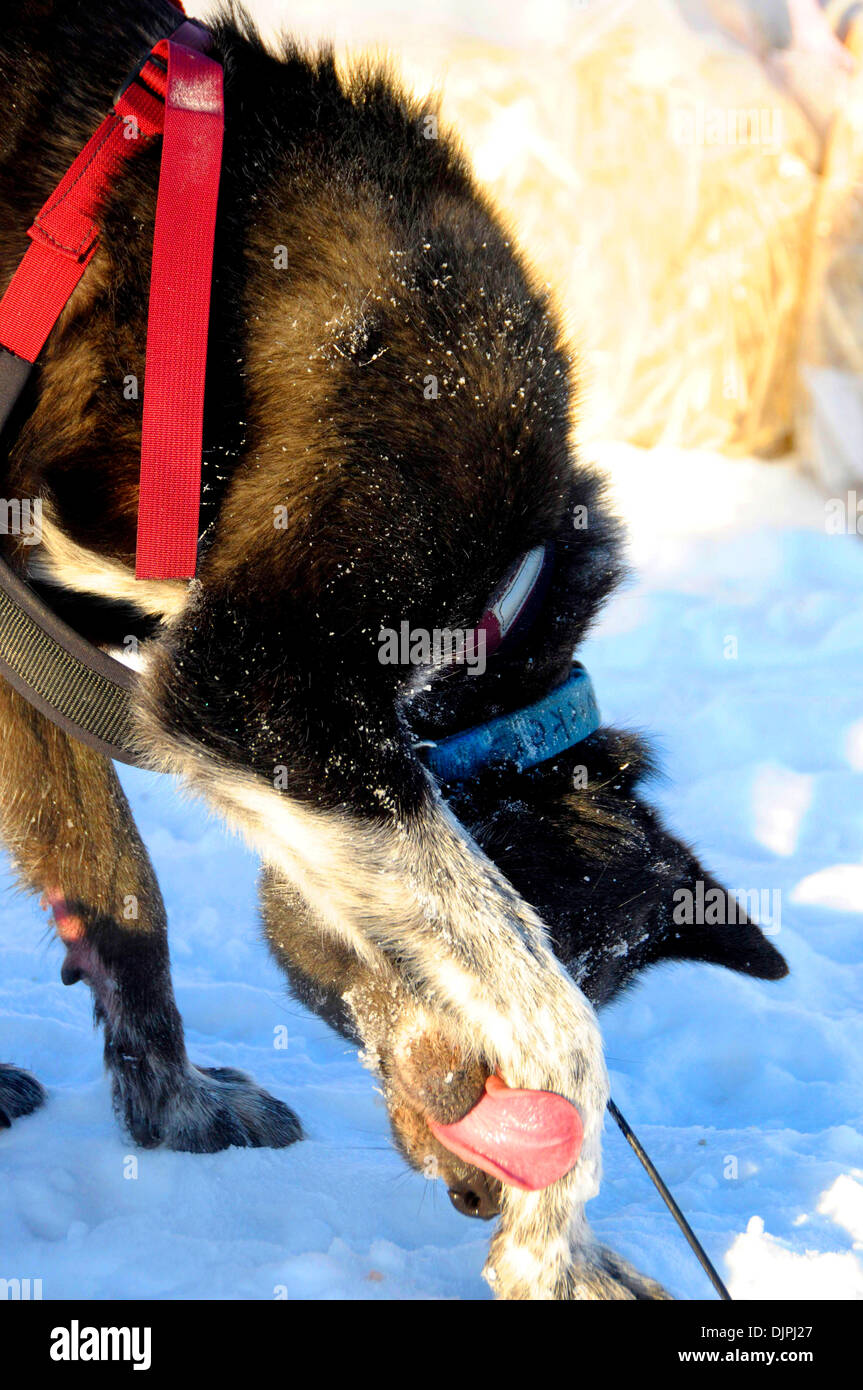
69	830
414	897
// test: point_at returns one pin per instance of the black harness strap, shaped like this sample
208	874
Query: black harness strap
73	683
14	374
694	1243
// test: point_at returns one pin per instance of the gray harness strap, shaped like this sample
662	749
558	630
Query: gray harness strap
73	683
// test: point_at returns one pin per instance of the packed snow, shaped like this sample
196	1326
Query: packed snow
748	1095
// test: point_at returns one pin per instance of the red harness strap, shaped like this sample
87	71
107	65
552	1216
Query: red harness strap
179	312
176	92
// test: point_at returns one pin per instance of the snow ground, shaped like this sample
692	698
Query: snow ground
718	1074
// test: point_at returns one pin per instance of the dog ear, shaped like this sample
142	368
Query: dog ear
696	918
617	890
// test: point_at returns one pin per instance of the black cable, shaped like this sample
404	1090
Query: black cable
698	1249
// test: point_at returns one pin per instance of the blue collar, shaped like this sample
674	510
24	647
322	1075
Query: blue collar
561	719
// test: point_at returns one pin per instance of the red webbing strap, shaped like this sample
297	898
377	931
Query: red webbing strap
63	237
179	312
178	90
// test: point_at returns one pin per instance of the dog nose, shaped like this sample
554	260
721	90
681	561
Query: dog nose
476	1198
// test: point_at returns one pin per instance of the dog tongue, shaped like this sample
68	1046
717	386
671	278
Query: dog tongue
528	1139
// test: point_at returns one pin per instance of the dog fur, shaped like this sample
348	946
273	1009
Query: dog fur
453	931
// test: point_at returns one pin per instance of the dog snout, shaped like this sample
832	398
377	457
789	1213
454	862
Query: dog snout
479	1196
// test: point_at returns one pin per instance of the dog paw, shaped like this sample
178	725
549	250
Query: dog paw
626	1276
587	1273
20	1094
603	1275
599	1275
209	1109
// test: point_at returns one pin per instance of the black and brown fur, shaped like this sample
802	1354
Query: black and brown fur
423	921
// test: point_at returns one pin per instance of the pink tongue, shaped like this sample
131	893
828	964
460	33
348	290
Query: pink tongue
528	1139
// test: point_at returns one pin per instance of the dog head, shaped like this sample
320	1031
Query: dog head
618	892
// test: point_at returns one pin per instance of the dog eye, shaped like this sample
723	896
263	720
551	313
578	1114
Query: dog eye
517	599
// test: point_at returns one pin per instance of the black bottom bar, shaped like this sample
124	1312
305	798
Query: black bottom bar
261	1340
